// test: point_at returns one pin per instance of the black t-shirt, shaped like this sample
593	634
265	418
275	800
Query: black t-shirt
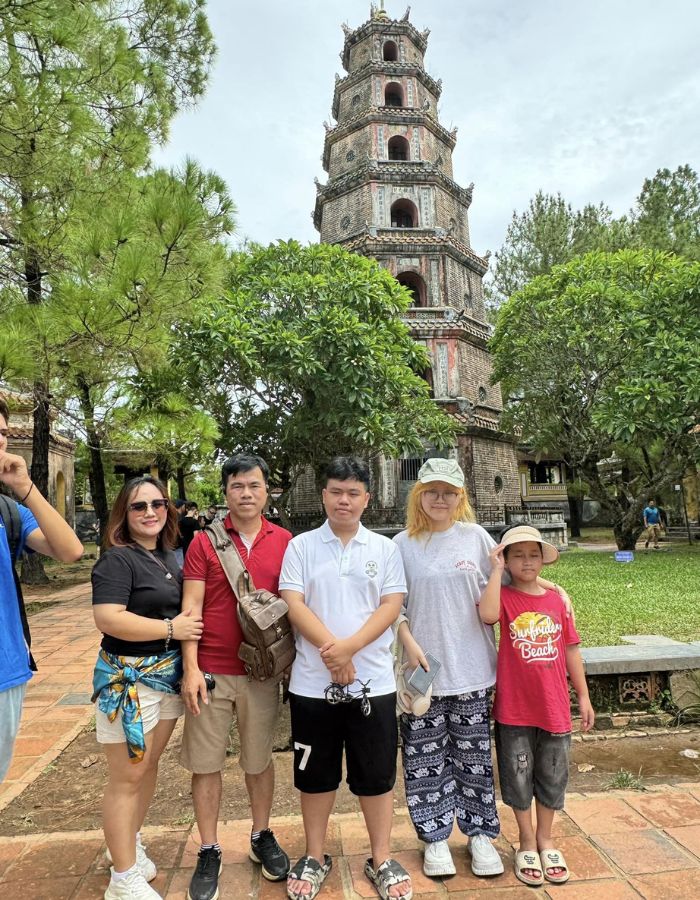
133	577
188	527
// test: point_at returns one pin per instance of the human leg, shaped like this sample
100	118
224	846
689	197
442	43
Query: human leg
469	747
550	781
10	716
317	738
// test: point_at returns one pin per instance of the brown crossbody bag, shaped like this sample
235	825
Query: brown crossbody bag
267	649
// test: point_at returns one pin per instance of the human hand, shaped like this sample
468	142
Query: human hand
14	473
414	656
192	687
496	559
344	674
568	605
187	627
337	653
587	713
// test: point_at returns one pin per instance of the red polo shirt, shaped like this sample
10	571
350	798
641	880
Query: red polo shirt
218	649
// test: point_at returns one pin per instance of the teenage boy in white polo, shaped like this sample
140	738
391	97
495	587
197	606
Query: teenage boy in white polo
344	586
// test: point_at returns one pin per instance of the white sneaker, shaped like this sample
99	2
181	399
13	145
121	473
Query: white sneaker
133	887
485	858
437	860
145	864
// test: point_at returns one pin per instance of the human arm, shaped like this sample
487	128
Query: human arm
551	586
54	537
490	602
413	652
574	666
193	685
115	620
312	628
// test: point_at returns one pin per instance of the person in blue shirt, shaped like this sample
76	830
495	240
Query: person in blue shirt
45	531
652	524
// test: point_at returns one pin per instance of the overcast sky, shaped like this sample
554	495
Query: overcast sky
586	99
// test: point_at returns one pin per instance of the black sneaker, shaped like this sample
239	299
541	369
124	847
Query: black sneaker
274	861
205	881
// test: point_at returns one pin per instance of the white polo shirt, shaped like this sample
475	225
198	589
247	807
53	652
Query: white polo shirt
343	586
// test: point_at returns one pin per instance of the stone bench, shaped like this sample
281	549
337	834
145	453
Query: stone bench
639	664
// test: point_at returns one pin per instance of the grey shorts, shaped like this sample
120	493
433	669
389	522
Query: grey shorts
532	763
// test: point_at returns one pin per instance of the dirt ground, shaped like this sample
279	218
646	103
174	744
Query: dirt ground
67	796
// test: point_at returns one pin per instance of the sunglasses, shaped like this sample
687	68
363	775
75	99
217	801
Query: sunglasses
140	506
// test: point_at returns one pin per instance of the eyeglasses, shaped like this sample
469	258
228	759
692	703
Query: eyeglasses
449	496
140	506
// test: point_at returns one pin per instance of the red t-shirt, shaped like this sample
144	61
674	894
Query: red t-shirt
531	685
218	648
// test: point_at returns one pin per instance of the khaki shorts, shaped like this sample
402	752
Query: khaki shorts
155	705
205	736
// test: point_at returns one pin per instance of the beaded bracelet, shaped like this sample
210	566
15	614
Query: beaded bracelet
169	623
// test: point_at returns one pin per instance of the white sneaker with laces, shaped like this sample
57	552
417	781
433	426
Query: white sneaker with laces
145	864
437	860
485	858
133	887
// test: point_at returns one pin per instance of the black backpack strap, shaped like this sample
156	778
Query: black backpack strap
9	513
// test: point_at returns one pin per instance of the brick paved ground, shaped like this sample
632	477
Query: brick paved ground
618	845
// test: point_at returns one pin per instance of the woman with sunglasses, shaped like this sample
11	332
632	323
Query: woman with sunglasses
448	770
136	595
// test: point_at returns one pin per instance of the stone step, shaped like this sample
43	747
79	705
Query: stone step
657	657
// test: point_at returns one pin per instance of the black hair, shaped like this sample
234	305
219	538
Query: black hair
243	462
347	468
190	505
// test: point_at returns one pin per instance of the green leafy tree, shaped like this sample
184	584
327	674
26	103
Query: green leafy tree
86	88
667	213
549	233
599	365
306	356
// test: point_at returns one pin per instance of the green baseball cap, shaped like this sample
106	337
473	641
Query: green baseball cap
446	470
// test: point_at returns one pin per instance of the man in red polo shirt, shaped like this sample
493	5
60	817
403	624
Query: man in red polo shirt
209	715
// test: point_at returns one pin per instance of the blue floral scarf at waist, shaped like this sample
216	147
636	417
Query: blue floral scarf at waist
114	682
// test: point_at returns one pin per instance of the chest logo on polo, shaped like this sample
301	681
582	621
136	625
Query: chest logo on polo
536	637
371	568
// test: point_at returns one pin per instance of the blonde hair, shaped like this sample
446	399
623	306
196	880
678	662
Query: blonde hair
417	520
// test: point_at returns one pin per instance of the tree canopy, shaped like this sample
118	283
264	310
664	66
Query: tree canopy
306	356
599	365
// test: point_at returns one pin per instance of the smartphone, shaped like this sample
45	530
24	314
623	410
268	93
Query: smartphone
419	680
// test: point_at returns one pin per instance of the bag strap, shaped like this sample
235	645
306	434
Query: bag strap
234	568
9	513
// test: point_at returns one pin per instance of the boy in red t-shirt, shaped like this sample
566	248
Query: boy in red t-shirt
538	646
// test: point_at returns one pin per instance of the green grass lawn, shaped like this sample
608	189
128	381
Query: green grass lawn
658	593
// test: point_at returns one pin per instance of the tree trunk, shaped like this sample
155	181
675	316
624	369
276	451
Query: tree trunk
625	537
575	515
180	478
96	473
32	565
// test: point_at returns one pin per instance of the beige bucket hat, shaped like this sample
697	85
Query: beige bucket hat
446	470
521	533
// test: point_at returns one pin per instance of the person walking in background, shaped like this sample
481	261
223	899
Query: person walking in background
652	524
30	525
136	596
189	525
538	646
209	715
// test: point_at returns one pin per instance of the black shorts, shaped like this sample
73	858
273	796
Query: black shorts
320	732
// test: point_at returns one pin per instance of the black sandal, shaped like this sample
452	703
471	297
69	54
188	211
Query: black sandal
390	873
308	869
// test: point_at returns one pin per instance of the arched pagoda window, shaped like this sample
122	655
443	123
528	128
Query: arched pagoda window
416	286
398	148
390	51
404	214
393	94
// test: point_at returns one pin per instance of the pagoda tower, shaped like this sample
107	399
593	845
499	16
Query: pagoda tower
390	195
